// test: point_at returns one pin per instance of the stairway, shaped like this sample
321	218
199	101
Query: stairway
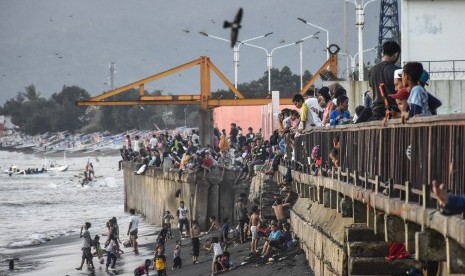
366	254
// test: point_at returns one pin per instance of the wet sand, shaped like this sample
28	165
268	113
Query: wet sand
62	256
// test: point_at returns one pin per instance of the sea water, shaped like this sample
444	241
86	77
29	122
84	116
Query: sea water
38	208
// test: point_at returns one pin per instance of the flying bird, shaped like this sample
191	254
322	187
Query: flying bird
235	26
186	31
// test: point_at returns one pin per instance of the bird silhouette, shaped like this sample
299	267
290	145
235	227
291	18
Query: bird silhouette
186	31
235	26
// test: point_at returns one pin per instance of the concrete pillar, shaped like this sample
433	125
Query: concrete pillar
326	197
320	193
370	217
206	127
394	229
410	230
378	224
455	257
430	246
333	199
360	212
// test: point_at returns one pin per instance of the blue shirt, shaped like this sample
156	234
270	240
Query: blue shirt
418	101
275	235
335	113
455	205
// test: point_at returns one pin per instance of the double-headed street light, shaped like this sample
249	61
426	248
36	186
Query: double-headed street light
235	49
269	55
321	28
360	22
352	60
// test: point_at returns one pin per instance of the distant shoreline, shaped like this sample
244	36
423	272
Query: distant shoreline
58	154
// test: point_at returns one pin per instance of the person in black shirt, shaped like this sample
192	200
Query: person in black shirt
260	154
383	72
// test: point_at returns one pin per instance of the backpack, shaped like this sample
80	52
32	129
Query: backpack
433	102
316	153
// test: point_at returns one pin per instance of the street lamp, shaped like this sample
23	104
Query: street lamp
235	50
323	29
301	43
360	22
269	55
352	60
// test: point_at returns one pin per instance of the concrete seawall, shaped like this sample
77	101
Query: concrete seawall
344	229
154	193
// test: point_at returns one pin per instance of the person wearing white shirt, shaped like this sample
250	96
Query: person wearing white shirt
153	141
314	107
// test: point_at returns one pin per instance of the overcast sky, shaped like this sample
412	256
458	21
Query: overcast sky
51	43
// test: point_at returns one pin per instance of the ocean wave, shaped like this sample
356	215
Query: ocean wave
26	203
39	238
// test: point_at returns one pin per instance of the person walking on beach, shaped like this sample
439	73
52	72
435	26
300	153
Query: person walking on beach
86	246
181	213
167	221
254	222
133	229
240	212
112	251
195	239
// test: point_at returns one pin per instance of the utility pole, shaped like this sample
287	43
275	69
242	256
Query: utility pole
112	74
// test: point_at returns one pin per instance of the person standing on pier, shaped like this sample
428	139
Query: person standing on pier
133	229
181	213
383	72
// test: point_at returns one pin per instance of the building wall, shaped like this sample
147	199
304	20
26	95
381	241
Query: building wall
431	30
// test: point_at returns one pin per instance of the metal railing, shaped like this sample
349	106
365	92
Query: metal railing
412	154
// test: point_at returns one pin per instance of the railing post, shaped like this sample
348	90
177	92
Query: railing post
376	184
347	176
355	178
407	191
366	181
426	193
391	188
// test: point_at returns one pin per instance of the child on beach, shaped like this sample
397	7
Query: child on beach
112	250
143	269
159	262
98	249
217	253
167	220
162	236
177	262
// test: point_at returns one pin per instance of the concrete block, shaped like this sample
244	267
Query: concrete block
367	249
455	257
354	234
360	212
380	266
394	229
430	246
333	199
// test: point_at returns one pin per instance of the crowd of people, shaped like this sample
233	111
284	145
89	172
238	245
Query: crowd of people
395	93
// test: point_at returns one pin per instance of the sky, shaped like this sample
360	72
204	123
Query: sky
56	43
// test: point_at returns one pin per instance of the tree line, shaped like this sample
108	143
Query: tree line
34	114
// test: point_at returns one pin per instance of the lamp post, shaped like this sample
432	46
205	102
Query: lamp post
301	43
352	59
321	28
360	22
235	49
269	55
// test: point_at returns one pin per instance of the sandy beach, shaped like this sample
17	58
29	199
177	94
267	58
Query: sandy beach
61	256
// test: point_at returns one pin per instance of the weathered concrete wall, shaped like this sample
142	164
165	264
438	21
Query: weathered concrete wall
154	193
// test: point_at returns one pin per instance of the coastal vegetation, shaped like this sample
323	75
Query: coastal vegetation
34	114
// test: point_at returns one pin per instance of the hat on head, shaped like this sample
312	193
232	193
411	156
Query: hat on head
424	78
402	94
398	74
